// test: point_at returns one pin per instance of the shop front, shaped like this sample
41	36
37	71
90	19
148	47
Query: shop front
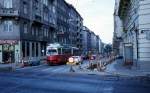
8	50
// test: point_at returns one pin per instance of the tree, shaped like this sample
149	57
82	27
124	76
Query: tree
108	49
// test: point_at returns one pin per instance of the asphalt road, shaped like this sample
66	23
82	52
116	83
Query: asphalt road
57	79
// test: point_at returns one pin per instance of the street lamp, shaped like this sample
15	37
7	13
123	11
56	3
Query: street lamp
43	52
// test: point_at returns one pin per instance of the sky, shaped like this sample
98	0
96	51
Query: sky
97	15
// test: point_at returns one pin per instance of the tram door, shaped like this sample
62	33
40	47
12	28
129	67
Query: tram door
8	53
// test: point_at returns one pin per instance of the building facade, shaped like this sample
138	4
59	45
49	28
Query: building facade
118	31
79	33
91	42
62	9
134	15
85	44
26	28
69	25
98	45
75	27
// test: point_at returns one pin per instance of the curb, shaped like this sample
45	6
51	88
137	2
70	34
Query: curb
6	69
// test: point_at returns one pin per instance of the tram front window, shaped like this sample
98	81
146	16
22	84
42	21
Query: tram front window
52	52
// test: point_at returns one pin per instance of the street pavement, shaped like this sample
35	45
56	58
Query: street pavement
48	69
59	79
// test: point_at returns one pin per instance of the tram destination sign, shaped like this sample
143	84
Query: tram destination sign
8	42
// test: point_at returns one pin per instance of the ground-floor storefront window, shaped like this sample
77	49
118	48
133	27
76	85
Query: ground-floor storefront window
8	52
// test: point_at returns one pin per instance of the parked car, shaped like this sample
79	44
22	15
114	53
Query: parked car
25	62
34	61
75	60
119	57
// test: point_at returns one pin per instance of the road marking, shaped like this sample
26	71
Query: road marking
56	69
48	69
108	90
59	70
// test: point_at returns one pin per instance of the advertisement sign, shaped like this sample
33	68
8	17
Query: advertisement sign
12	42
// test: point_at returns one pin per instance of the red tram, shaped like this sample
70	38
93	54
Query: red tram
59	54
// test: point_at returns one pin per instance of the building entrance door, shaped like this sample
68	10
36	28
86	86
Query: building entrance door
129	54
8	53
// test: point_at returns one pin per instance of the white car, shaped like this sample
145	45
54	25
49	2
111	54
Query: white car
75	60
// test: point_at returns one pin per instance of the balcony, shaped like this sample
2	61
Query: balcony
62	34
37	19
8	12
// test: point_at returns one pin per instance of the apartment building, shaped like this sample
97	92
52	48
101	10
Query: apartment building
62	22
90	41
85	43
75	25
135	16
118	31
26	28
98	45
69	25
93	42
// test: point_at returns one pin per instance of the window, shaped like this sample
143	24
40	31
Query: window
33	29
25	8
45	16
45	32
8	3
8	26
25	28
36	31
53	9
52	52
45	2
37	6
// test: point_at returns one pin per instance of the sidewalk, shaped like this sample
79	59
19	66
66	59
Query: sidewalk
84	70
6	67
117	68
13	66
